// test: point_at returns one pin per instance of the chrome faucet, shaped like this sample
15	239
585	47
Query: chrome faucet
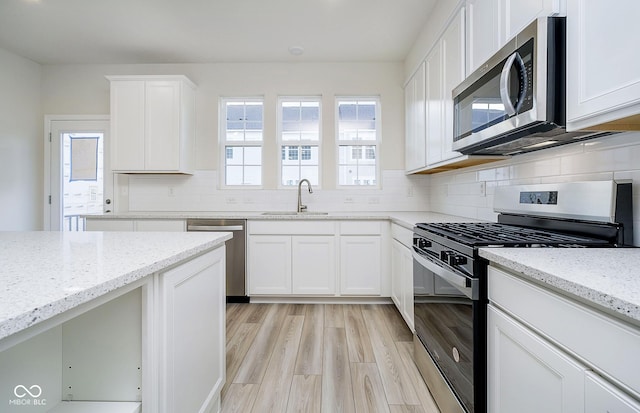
303	208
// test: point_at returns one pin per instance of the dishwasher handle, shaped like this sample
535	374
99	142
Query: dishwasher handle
210	228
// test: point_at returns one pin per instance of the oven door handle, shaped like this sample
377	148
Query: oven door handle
459	281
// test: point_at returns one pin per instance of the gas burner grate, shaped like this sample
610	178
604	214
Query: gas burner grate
490	234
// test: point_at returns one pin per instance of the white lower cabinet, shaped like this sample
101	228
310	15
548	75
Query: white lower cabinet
313	262
320	258
527	374
547	353
402	280
269	264
192	335
360	265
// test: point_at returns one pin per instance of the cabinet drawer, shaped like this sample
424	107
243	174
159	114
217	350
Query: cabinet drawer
292	227
160	225
360	228
603	342
601	396
403	235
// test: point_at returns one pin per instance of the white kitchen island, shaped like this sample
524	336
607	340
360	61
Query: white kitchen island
111	322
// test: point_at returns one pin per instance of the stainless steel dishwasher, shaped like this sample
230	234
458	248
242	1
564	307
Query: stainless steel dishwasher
235	255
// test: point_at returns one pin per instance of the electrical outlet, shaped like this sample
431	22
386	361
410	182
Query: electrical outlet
409	191
170	192
348	200
483	188
374	200
231	201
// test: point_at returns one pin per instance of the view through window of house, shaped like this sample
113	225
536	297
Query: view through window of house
242	141
299	140
358	141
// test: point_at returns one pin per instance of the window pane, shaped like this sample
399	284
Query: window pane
252	175
366	110
253	155
311	173
291	136
234	155
290	175
310	111
235	111
357	165
300	120
233	175
254	111
347	111
367	175
290	111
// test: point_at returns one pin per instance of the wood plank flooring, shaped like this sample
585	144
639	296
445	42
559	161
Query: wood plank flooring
321	358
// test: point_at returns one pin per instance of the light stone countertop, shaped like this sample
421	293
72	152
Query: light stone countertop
406	219
44	274
606	277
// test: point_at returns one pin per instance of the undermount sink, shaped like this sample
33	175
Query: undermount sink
294	213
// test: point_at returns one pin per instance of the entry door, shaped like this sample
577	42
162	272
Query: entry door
80	178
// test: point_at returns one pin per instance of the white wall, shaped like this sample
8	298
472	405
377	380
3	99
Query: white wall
614	157
83	89
21	144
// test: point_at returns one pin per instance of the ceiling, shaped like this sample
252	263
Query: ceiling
206	31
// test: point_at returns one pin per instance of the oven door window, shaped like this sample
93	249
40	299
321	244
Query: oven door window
444	325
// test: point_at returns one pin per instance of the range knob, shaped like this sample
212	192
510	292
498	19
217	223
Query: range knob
423	243
455	259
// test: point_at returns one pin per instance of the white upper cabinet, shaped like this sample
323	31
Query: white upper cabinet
153	124
452	52
434	94
491	23
483	36
415	113
603	69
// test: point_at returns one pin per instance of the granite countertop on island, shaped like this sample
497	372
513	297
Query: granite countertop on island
604	277
44	274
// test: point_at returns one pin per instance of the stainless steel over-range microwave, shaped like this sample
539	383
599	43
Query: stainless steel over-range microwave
515	102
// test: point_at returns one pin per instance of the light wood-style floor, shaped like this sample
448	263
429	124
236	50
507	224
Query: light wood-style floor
321	358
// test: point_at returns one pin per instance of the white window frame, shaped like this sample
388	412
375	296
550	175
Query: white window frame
377	143
301	142
223	142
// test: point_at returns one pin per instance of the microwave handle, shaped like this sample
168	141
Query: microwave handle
504	84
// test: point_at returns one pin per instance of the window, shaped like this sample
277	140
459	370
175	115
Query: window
241	138
358	124
299	139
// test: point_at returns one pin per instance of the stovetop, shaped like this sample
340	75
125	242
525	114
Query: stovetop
482	234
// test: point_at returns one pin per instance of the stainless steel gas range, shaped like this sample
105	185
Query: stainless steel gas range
450	278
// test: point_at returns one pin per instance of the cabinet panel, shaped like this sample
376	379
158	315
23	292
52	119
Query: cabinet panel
598	34
360	265
162	125
192	325
434	97
402	281
585	332
314	265
127	124
519	13
527	374
415	113
483	32
603	397
270	264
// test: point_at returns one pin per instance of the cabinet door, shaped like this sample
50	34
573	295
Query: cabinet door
269	264
313	264
415	113
192	334
434	106
397	274
453	72
602	396
360	265
526	374
162	125
483	32
603	69
519	13
127	125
